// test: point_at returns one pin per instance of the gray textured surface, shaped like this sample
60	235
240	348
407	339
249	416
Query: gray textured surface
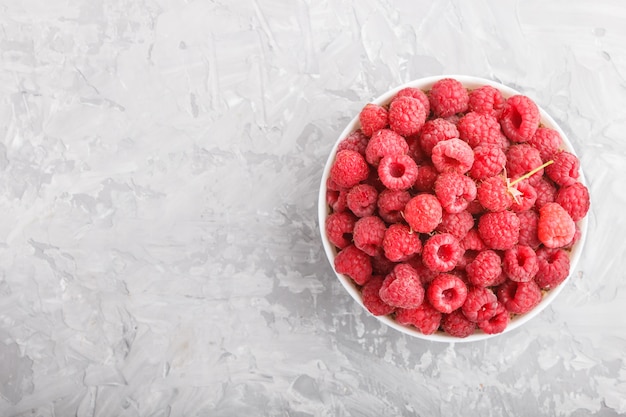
159	168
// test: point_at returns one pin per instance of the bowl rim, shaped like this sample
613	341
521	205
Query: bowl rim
323	211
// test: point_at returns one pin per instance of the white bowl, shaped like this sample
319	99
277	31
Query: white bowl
323	211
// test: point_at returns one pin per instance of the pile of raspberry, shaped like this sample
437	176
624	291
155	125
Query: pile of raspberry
454	210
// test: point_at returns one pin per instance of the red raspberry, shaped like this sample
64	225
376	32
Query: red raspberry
397	172
418	94
441	252
354	263
472	241
547	141
487	100
480	305
371	297
406	115
381	265
425	318
475	208
529	221
361	200
425	274
423	213
480	129
400	243
520	263
339	228
564	170
520	118
373	118
337	200
457	325
519	297
391	204
497	323
448	97
485	270
349	169
385	142
553	267
546	192
574	199
452	155
402	288
368	234
576	238
489	160
355	141
455	191
555	227
426	176
446	293
415	149
457	224
521	159
493	194
435	131
527	197
499	230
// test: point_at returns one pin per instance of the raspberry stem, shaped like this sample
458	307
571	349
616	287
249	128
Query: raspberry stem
531	173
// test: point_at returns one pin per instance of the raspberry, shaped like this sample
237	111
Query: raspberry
361	200
373	118
391	204
448	97
475	208
441	252
381	265
355	141
520	118
415	149
497	323
400	243
446	293
519	297
397	172
337	200
480	129
452	155
349	169
527	197
406	115
564	170
371	297
480	305
555	227
382	143
472	241
574	199
457	224
423	213
418	94
546	192
521	159
339	228
576	238
553	267
487	100
402	288
493	194
499	230
425	274
455	191
520	263
457	325
435	131
368	234
485	269
547	141
529	221
425	318
354	263
489	160
426	176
